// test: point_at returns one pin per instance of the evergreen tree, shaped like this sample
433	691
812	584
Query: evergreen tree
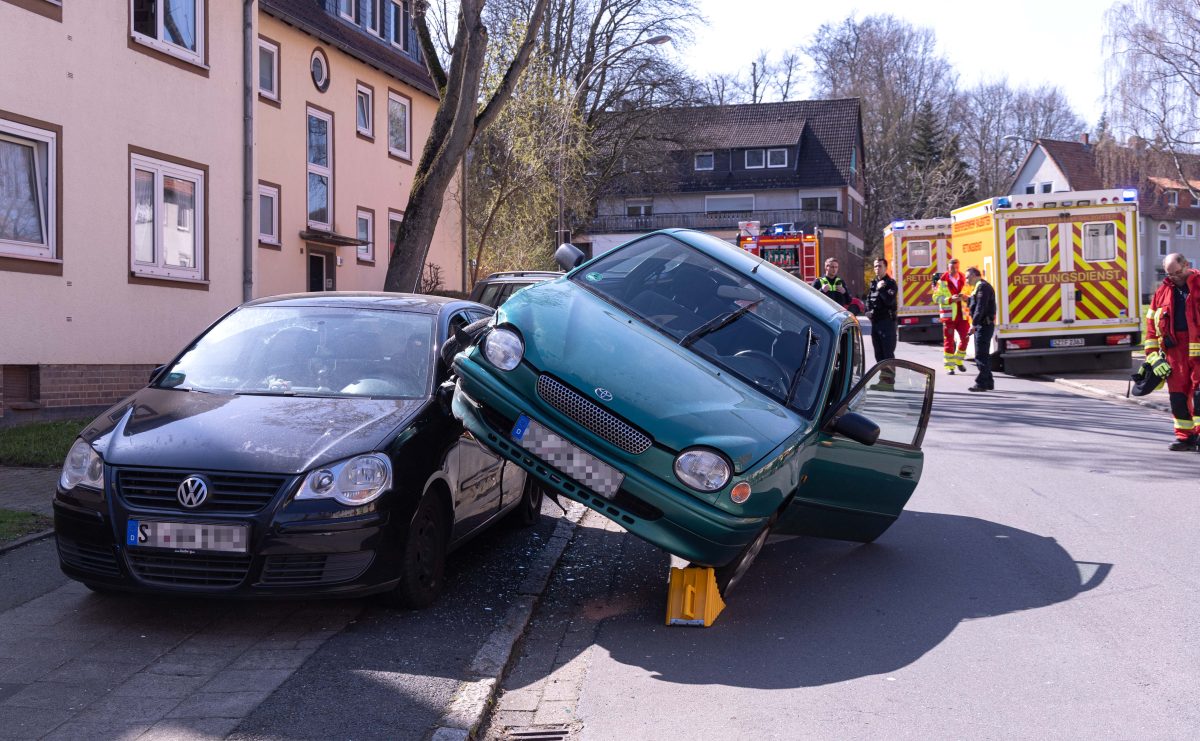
925	152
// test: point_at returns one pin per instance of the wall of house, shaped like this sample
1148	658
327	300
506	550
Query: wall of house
1039	169
106	93
1159	238
764	200
364	175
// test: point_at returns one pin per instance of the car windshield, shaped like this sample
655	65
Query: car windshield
310	351
715	311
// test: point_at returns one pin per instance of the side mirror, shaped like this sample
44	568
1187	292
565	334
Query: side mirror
156	373
568	256
445	395
856	427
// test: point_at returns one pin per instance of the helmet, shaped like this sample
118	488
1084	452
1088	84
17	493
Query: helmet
1145	381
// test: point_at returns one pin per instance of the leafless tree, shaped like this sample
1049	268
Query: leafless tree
786	79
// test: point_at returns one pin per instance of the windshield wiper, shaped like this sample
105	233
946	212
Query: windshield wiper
718	322
808	343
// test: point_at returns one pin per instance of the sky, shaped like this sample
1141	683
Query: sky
1030	41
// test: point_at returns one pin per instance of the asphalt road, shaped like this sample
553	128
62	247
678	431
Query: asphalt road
1041	584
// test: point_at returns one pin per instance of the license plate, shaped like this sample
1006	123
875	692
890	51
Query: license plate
1067	342
567	458
187	536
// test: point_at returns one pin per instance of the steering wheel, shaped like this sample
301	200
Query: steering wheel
766	371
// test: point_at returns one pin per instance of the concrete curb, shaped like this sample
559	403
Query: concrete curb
473	697
1094	391
25	540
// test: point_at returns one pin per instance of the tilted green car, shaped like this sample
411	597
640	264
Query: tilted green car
700	397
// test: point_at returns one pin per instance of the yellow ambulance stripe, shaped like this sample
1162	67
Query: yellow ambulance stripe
1033	302
1094	292
1050	311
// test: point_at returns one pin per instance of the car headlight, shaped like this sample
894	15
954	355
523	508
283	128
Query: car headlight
503	348
702	469
352	482
83	467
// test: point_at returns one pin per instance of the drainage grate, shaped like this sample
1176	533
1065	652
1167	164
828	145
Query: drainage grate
539	733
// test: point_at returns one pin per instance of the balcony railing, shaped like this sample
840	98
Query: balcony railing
714	220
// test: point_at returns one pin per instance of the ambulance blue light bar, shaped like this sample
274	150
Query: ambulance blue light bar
1003	202
897	224
1129	195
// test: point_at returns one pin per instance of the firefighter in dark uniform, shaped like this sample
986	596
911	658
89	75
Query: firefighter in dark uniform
881	308
831	285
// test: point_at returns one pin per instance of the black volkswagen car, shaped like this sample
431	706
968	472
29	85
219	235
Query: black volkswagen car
300	446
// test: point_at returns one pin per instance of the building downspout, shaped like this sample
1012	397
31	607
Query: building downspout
248	149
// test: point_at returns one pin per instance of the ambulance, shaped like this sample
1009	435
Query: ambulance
917	251
1064	266
784	246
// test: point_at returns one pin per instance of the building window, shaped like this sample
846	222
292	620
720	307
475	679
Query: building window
1141	225
920	254
1179	228
824	203
347	8
366	232
28	190
1162	227
1189	229
167	237
704	161
320	169
639	207
375	17
365	110
268	213
318	66
1047	187
268	69
1099	242
1172	198
849	210
853	161
175	27
395	218
755	159
727	204
777	157
1030	190
400	24
1033	245
399	125
1162	247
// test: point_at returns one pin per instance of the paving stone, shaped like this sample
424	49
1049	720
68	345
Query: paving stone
29	670
262	658
243	680
109	673
79	729
525	699
190	729
190	664
56	695
219	704
130	709
145	684
562	711
22	723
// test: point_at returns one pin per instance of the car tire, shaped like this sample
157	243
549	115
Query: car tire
731	573
529	511
423	567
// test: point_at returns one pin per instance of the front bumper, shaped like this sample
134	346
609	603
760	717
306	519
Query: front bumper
668	517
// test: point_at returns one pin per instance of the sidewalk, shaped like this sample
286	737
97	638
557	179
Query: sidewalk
27	490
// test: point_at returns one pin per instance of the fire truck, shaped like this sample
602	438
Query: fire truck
785	246
917	252
1065	270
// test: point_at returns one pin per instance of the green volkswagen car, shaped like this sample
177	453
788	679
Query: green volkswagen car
698	396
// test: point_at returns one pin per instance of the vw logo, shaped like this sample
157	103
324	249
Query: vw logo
604	394
192	492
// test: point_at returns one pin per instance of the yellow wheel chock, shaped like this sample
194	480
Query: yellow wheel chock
693	597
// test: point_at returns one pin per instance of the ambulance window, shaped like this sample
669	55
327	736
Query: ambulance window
919	254
1099	242
1033	245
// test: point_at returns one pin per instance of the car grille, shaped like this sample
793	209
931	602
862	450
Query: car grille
307	569
601	422
97	559
209	570
238	493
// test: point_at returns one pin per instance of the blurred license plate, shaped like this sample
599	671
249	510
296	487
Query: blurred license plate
186	536
1067	342
567	458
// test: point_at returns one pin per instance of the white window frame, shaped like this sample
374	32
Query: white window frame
910	248
367	251
728	197
1172	198
775	151
1162	227
1110	253
271	192
326	172
696	161
273	48
394	217
159	42
1189	229
363	90
399	26
1179	228
645	207
1163	247
33	138
375	25
1046	187
162	169
1046	241
342	4
405	153
1031	189
762	153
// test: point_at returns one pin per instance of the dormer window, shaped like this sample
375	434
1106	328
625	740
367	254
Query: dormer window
1172	198
704	161
777	157
755	159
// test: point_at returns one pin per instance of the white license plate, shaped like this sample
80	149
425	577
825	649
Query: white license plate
1067	342
187	536
567	458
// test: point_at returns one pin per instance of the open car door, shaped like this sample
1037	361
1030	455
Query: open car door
855	490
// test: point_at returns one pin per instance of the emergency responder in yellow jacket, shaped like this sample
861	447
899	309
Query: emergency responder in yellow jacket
950	295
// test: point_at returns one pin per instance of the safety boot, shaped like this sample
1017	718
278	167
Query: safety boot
1188	443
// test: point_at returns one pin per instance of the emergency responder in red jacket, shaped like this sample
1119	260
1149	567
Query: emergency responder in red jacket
950	294
1173	345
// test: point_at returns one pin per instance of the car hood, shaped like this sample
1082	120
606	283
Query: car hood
672	393
259	434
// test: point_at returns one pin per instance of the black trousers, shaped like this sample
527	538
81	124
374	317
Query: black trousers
883	338
983	356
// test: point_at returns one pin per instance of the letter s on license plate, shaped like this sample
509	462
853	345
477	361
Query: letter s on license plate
187	536
1067	342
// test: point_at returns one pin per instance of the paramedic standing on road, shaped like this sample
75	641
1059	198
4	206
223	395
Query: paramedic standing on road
881	308
1173	344
952	306
831	285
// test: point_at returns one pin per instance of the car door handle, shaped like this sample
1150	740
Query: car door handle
907	472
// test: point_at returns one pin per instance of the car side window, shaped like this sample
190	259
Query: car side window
489	294
859	362
842	361
459	320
